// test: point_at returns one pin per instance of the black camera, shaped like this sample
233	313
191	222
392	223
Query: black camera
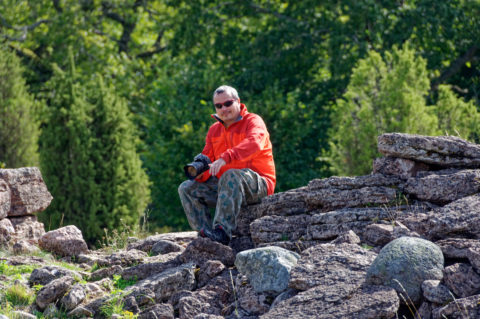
197	167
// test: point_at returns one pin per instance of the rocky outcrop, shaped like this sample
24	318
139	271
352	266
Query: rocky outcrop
65	241
23	194
403	241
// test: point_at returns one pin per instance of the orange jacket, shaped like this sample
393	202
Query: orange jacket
244	144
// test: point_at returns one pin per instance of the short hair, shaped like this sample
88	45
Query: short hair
226	89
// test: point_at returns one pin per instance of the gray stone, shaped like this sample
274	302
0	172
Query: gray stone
437	150
267	269
461	217
106	272
463	308
165	247
435	292
211	269
252	302
27	227
180	238
329	265
6	231
473	255
44	275
462	280
65	241
404	264
202	250
443	186
365	303
270	229
341	192
29	194
457	247
424	311
53	291
126	258
165	284
143	271
158	311
24	247
5	199
399	167
348	237
23	315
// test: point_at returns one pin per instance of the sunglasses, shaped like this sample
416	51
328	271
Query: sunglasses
226	103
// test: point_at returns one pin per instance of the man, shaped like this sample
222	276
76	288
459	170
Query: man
242	169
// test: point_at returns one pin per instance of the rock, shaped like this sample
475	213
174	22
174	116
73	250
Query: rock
435	292
23	315
287	294
147	243
329	265
158	311
24	247
267	269
44	275
341	192
212	299
165	247
211	269
80	312
202	250
73	297
320	303
348	237
65	241
5	199
424	311
461	217
27	227
270	229
463	308
126	258
443	186
106	272
248	299
437	150
457	247
473	255
404	264
382	234
399	167
6	231
462	280
53	291
143	271
168	282
29	194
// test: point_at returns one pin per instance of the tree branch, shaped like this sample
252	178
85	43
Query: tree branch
23	29
455	66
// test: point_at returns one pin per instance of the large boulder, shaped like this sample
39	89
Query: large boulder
267	269
27	227
65	241
404	264
29	194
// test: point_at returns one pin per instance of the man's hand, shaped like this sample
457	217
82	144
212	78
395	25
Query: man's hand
216	166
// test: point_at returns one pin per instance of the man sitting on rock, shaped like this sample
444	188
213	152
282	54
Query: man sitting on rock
241	172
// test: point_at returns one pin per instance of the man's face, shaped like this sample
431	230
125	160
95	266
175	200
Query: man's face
227	114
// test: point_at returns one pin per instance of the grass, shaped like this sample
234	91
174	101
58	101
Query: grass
19	295
120	283
9	270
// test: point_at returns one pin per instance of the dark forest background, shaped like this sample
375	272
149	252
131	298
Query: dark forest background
110	98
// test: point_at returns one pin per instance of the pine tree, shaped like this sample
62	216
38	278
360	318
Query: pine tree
89	159
19	129
382	96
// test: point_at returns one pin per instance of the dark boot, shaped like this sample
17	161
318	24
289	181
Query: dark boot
217	234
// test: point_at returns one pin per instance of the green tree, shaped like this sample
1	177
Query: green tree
89	158
384	95
19	128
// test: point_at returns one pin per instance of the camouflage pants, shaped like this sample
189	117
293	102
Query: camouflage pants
236	188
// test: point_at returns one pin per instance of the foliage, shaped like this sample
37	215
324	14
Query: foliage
9	270
121	283
383	96
89	158
19	295
19	128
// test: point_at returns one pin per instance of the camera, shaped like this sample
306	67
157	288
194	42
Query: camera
197	167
